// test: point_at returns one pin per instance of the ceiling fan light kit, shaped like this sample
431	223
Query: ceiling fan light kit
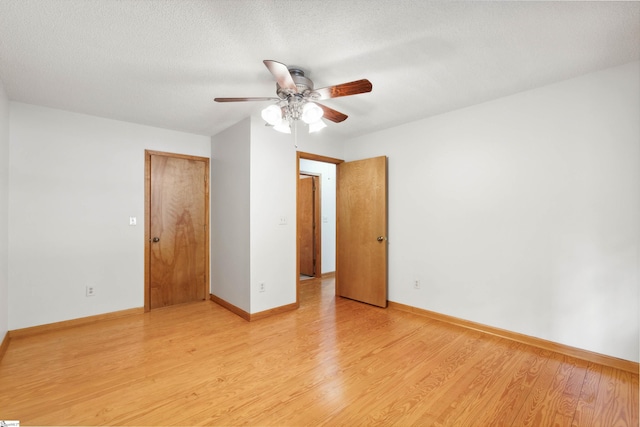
282	114
297	99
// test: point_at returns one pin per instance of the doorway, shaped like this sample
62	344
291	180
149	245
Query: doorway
324	168
176	229
361	228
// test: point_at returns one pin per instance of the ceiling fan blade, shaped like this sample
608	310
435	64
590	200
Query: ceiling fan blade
345	89
331	114
245	99
282	75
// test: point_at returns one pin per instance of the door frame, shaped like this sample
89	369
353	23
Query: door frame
317	224
147	220
309	156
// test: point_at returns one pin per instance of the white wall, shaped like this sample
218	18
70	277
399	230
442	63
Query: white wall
230	215
327	172
523	213
273	192
4	212
324	143
75	180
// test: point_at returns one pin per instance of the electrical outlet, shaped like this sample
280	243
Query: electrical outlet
416	284
91	291
262	287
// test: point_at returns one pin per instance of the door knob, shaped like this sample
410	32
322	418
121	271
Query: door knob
381	238
156	239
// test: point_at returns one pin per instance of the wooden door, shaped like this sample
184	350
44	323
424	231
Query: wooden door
177	228
361	258
309	240
306	225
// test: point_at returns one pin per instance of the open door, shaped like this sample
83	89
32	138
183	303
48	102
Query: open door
309	241
361	249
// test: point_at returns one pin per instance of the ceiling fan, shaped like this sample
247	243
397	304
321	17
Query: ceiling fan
298	100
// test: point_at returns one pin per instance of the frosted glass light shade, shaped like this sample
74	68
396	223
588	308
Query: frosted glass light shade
311	113
315	127
272	115
283	127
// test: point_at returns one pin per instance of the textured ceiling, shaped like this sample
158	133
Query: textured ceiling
161	63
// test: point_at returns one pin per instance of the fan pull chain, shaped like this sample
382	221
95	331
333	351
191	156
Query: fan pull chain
295	133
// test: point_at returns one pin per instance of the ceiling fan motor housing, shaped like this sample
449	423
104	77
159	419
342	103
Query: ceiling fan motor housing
303	84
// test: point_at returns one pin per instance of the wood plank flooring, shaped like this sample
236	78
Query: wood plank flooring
332	362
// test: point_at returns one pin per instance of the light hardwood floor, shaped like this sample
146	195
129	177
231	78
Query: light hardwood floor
332	362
